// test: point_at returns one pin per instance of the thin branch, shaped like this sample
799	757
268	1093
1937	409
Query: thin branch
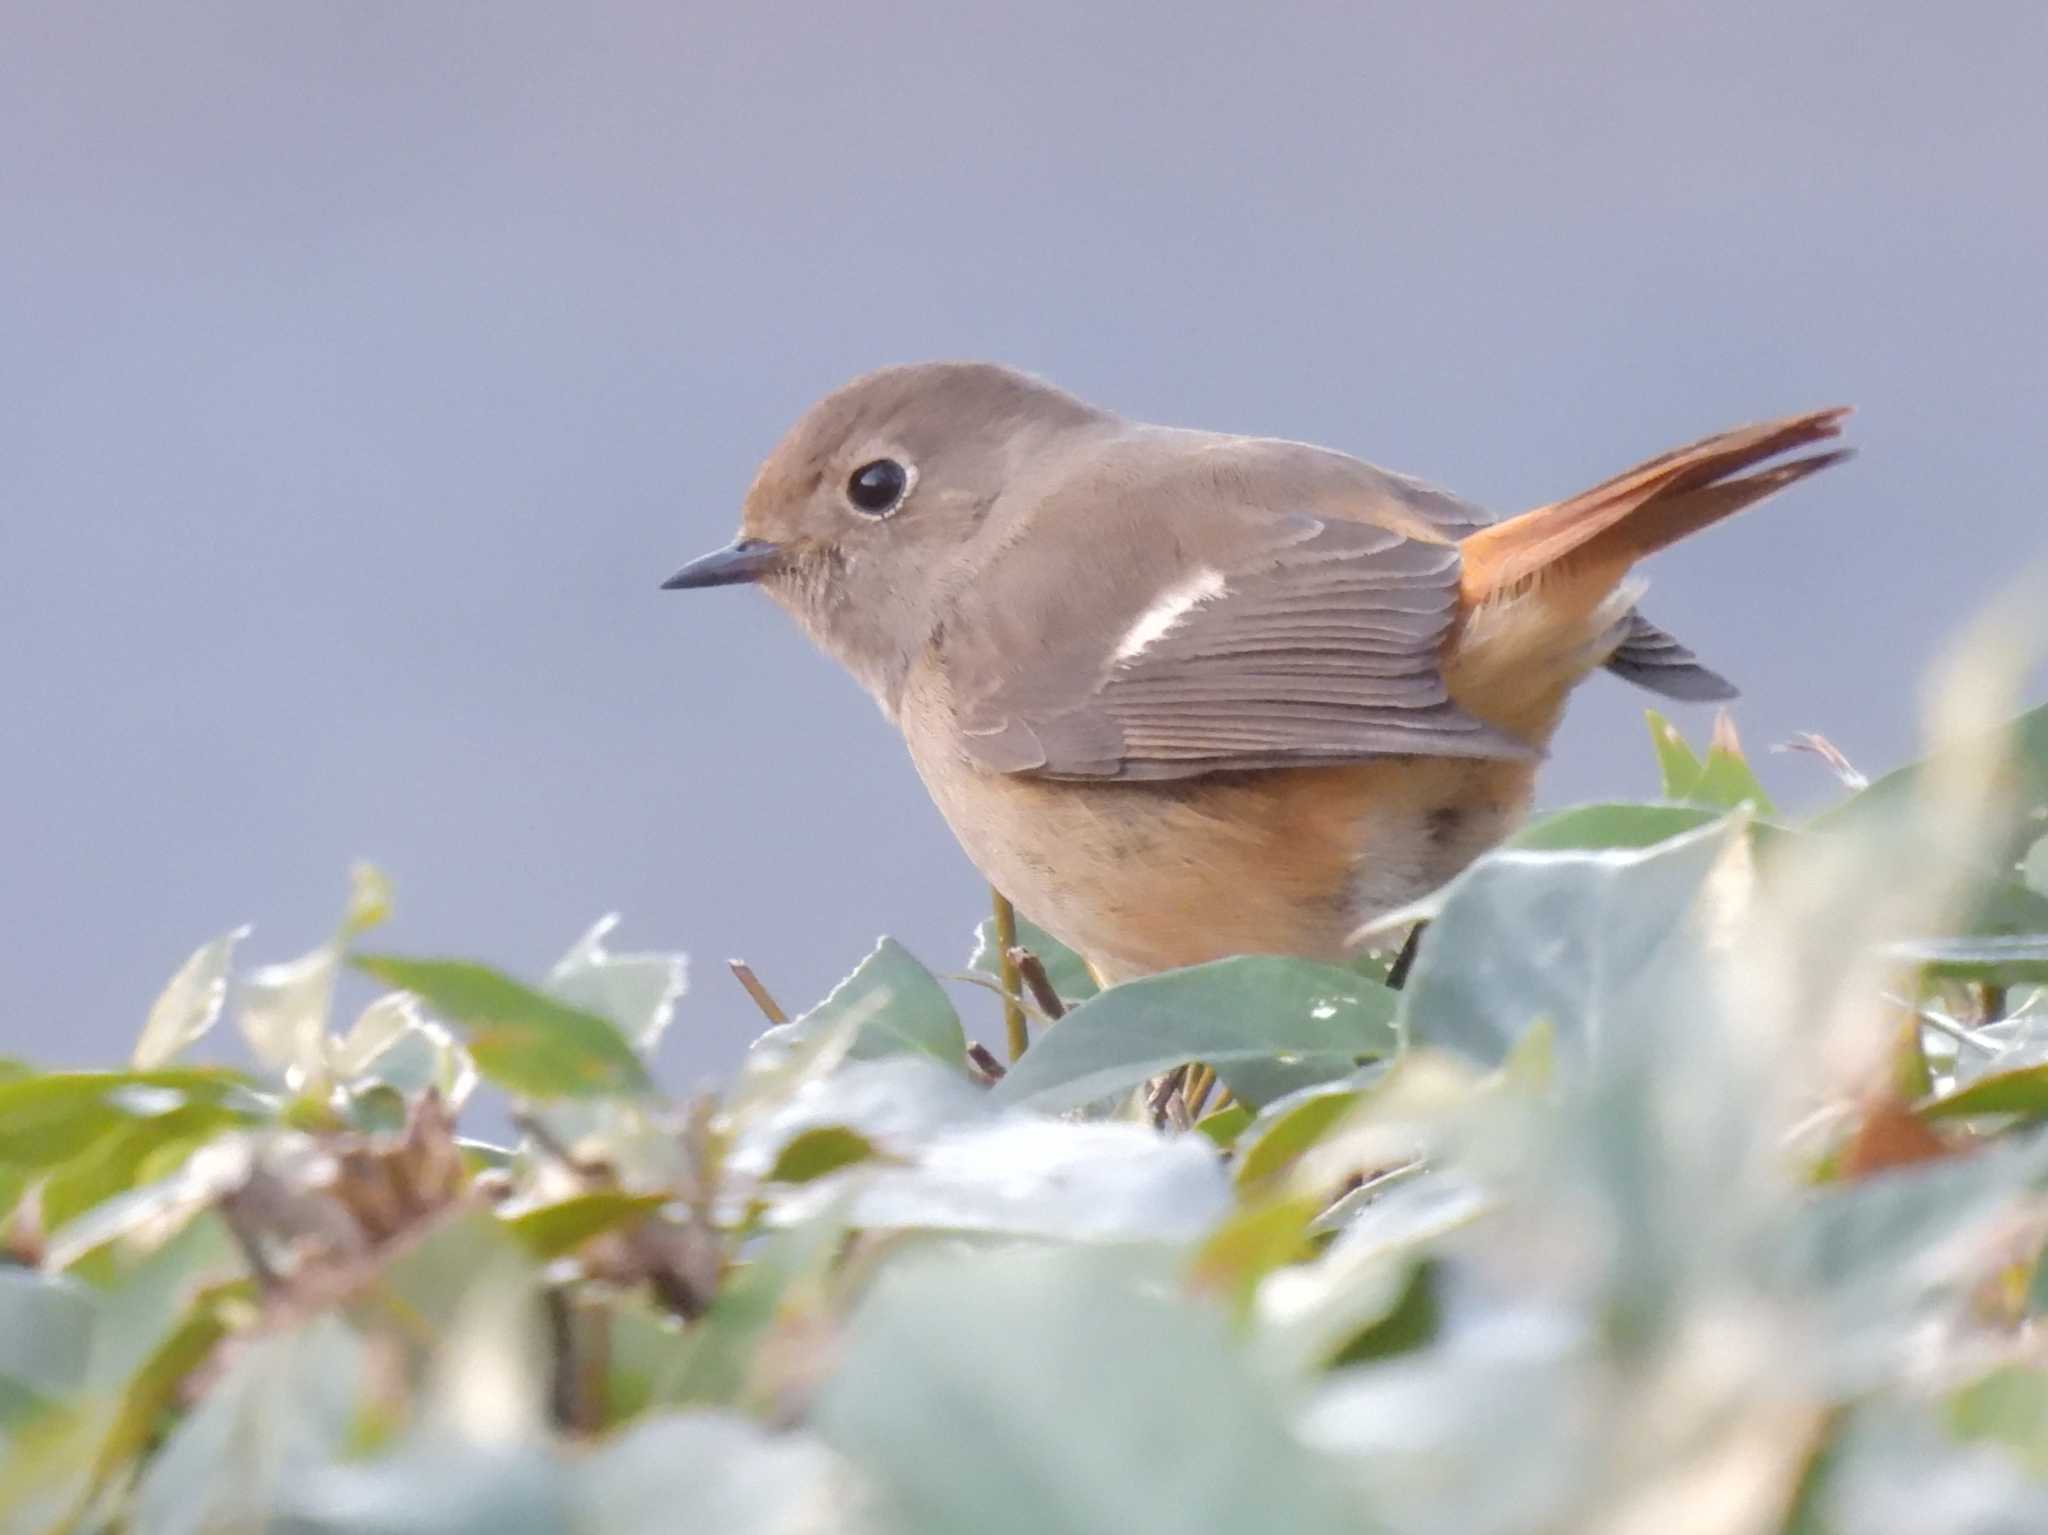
1397	973
1166	1104
1014	1029
1032	969
994	987
1199	1087
744	974
984	1061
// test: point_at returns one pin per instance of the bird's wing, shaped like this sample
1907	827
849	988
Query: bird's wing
1205	617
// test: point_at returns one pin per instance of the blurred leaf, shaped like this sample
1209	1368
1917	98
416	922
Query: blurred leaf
427	1283
45	1339
158	1208
1412	1322
118	1162
716	1361
1224	1125
552	1230
2007	960
49	1119
1267	1025
924	1368
282	1011
1312	1313
435	1483
520	1038
1067	971
901	1008
815	1153
1678	767
637	992
1585	940
1024	1176
893	1104
1868	1257
1721	781
1288	1127
2034	867
190	1003
713	1472
2009	1407
369	900
286	1404
2022	1090
1249	1244
1604	826
392	1044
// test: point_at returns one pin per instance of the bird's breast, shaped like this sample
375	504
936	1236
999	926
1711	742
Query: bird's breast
1147	876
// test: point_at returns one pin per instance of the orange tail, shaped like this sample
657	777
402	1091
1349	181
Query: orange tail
1595	536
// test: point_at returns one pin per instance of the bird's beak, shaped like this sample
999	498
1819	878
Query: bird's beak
745	559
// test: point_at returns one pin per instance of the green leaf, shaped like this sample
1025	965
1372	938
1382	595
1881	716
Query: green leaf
1067	971
1267	1025
901	1007
189	1005
1412	1322
282	1011
1678	768
2022	1090
286	1404
1585	940
369	900
713	1472
2009	1407
45	1339
2034	867
1224	1125
1023	1176
2006	960
814	1153
779	1282
1287	1128
1248	1245
1172	1431
1610	826
637	992
522	1039
552	1230
1721	781
49	1119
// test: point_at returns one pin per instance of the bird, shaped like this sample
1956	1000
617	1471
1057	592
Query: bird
1185	695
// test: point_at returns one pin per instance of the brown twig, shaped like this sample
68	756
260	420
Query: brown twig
744	974
1014	1028
984	1060
1032	969
1160	1103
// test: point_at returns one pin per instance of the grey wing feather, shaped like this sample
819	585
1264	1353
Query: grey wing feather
1651	658
1319	644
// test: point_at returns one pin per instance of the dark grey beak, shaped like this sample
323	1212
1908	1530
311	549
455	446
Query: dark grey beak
747	559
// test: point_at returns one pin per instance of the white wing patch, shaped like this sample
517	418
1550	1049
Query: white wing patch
1174	604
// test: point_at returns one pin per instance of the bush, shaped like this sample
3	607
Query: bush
1688	1185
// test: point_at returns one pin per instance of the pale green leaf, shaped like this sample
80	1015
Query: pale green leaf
189	1005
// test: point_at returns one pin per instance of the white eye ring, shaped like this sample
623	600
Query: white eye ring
879	487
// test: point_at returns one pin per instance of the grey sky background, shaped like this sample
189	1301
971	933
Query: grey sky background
363	367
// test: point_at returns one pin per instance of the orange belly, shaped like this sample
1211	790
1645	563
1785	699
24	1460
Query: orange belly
1146	876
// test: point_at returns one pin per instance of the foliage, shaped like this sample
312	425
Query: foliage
1690	1184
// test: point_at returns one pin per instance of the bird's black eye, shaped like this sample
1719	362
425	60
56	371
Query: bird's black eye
878	487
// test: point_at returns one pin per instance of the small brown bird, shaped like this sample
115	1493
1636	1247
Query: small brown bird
1183	695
